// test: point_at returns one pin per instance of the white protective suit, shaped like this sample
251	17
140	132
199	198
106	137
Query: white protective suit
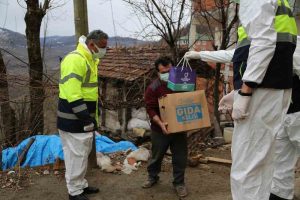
253	142
287	144
76	147
287	147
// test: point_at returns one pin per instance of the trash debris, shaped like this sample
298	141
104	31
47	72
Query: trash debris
104	162
139	113
138	123
46	149
131	162
128	168
138	132
141	154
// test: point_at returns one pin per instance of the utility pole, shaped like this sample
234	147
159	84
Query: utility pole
82	28
80	18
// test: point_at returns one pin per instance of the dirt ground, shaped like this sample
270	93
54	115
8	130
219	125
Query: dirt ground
207	182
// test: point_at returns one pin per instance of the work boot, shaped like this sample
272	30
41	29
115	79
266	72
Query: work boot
274	197
78	197
181	190
149	183
90	190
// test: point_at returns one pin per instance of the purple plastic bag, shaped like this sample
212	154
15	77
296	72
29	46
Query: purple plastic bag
182	77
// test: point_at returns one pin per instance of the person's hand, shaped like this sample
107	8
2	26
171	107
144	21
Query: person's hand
163	126
192	55
240	106
226	102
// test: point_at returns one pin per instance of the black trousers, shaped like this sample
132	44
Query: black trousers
178	146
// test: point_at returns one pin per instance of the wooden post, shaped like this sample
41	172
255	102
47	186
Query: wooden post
103	94
124	110
218	136
80	18
92	157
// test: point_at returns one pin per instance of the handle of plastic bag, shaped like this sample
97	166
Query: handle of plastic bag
181	61
185	63
188	64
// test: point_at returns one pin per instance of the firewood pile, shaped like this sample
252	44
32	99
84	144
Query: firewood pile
199	140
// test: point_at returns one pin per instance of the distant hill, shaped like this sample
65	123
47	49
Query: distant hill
13	39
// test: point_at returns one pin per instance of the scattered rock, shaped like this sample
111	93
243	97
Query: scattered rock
118	167
46	172
205	167
56	173
11	172
131	161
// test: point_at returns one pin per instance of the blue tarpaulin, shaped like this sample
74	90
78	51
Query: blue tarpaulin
46	148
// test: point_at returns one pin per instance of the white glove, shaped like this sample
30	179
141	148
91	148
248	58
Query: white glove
226	102
240	107
192	55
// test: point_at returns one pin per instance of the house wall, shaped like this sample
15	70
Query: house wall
112	116
206	4
203	46
198	20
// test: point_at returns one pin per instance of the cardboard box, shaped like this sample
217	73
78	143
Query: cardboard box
184	111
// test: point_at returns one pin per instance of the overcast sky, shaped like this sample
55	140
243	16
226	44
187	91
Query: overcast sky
61	19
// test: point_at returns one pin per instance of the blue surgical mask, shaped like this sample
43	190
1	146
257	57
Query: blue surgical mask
101	52
164	77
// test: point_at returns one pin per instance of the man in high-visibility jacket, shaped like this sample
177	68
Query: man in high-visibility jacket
77	114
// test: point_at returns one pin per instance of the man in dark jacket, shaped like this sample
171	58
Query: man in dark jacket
161	139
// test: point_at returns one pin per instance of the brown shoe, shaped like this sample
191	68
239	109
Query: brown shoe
149	183
181	190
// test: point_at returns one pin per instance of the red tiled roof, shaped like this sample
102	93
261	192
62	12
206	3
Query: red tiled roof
130	63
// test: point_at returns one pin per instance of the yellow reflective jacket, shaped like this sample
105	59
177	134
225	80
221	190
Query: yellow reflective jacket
78	91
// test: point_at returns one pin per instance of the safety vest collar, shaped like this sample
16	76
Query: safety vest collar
83	51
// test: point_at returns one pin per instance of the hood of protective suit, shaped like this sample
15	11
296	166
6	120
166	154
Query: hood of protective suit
82	41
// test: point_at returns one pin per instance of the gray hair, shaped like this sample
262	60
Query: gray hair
97	35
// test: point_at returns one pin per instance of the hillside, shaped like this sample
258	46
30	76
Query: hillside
13	39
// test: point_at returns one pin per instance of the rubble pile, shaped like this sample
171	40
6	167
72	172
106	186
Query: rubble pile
125	161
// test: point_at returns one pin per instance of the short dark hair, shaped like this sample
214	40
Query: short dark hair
164	61
97	35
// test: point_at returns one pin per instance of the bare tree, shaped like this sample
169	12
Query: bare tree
220	18
7	118
33	19
164	18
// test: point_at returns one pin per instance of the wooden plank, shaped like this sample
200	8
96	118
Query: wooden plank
219	160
